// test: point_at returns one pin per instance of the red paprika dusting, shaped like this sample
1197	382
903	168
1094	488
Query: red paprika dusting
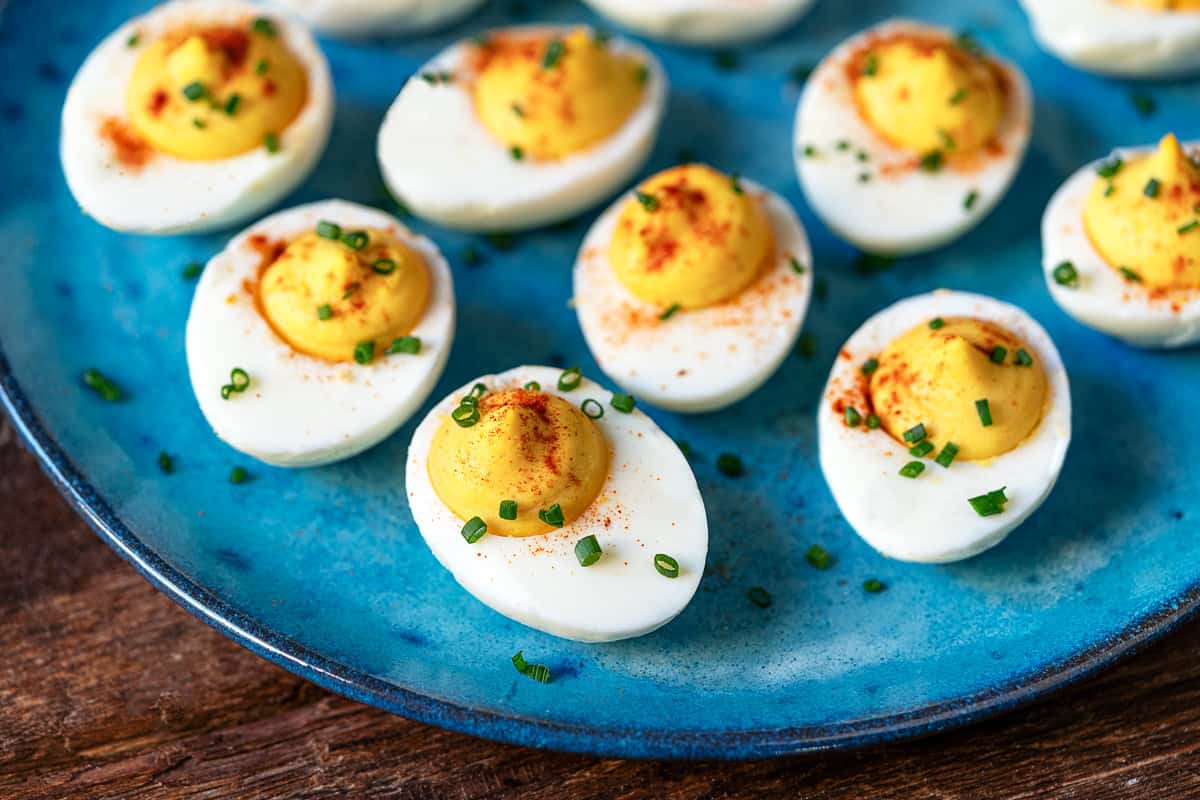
130	149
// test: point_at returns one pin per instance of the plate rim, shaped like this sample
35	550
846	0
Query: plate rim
632	742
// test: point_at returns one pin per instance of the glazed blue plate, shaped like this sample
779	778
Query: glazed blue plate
323	572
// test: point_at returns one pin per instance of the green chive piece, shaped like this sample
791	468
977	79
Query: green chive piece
873	421
966	40
730	465
984	411
623	402
759	596
570	379
725	59
916	433
932	161
466	415
1108	190
873	586
642	75
648	201
1109	168
958	96
384	266
912	469
921	449
133	40
588	551
1188	227
735	182
1143	103
666	566
1066	275
166	463
969	200
357	240
946	457
477	391
592	408
364	352
871	64
684	448
554	53
853	418
231	105
842	144
238	475
239	381
869	366
807	346
194	91
1130	275
810	151
1023	359
508	509
272	142
474	530
601	37
538	672
800	73
990	504
329	230
552	516
670	312
1151	188
472	256
324	311
862	156
947	139
199	123
351	289
533	386
516	109
818	557
797	267
262	66
998	354
264	26
193	270
864	177
936	323
407	345
517	153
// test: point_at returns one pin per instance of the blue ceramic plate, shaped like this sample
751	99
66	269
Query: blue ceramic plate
323	572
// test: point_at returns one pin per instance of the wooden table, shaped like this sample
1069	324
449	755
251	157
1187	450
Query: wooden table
108	689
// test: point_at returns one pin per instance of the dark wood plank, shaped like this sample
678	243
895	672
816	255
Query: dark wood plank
107	689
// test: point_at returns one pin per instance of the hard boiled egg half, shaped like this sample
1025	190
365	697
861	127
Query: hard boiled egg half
1138	38
692	289
1121	245
944	425
194	117
522	127
317	332
378	17
559	504
703	22
908	135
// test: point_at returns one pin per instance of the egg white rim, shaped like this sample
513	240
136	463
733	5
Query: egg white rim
861	466
703	23
222	192
1104	300
331	398
590	608
367	19
880	214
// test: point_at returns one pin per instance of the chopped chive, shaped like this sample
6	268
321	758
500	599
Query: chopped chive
800	73
921	449
797	267
807	346
864	177
272	143
1130	275
588	551
194	91
643	74
912	469
969	200
477	391
474	529
869	366
552	516
984	411
533	386
324	311
357	240
873	421
810	151
407	345
539	673
570	379
517	153
853	418
1109	168
966	40
725	59
670	312
592	408
648	201
329	230
873	586
508	509
862	156
601	37
936	323
351	289
238	475
472	256
666	566
1066	275
871	65
818	557
623	402
384	266
915	434
1151	188
166	463
231	105
239	381
1187	227
262	66
133	40
554	53
759	596
989	504
946	457
193	270
842	144
730	465
735	182
931	161
1143	103
516	109
199	123
264	26
1023	359
958	96
998	354
1109	189
466	415
364	352
481	40
947	139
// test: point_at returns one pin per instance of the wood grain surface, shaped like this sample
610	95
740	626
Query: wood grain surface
109	690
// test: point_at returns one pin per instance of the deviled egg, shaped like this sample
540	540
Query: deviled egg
1135	38
703	22
378	17
559	504
522	127
194	117
944	425
317	332
692	289
1121	245
908	135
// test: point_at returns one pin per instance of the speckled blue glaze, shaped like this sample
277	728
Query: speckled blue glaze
323	572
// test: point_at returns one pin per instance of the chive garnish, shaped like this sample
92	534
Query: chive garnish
570	379
684	448
1109	189
533	386
1187	227
730	465
759	596
588	551
969	200
466	415
239	381
324	311
873	421
193	270
508	509
947	139
643	74
921	449
869	366
912	469
1151	188
810	151
807	346
669	312
725	59
592	408
871	65
818	557
231	105
517	153
238	475
873	586
853	418
364	352
797	267
408	345
623	402
736	183
1066	275
516	109
984	411
864	177
474	529
958	96
552	516
1023	359
262	66
538	672
272	143
931	161
666	566
915	434
998	355
351	289
554	53
166	463
357	240
1143	103
946	457
384	266
194	91
1130	275
133	40
473	396
936	323
264	26
989	504
199	124
1109	168
648	201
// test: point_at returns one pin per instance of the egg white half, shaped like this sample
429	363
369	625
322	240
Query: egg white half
928	518
439	159
302	411
703	22
171	195
1103	299
1106	37
649	504
378	17
697	360
901	208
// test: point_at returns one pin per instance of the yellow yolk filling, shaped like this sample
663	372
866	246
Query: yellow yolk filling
1163	5
928	94
548	98
530	447
690	237
215	92
1139	217
935	377
325	298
